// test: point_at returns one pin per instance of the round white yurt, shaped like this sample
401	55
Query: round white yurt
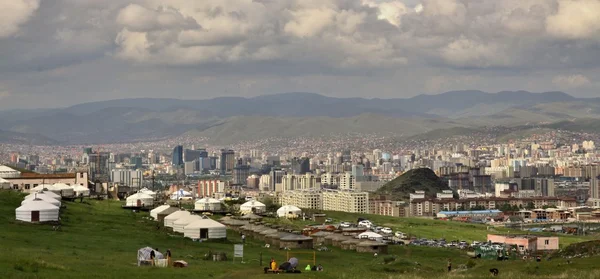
180	223
45	193
289	211
147	192
175	216
37	210
139	200
42	197
208	204
253	206
370	236
62	189
205	229
154	212
81	191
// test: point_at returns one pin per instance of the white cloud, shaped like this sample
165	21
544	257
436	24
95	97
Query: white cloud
575	19
14	13
571	81
141	19
392	47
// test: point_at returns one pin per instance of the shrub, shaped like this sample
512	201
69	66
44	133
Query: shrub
470	264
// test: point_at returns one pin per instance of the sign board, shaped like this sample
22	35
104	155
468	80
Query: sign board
238	251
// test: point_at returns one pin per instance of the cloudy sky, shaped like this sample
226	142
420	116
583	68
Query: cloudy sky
56	53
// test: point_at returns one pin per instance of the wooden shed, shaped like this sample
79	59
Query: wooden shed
372	247
296	241
337	242
350	244
319	237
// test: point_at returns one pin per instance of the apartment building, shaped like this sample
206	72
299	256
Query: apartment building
305	199
346	201
207	188
383	205
430	207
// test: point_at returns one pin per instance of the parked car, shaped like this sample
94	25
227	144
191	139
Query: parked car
344	224
365	223
386	230
328	220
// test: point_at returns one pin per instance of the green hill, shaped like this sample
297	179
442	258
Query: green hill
414	180
99	239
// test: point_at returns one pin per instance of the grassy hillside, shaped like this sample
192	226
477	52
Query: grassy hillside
240	128
100	240
414	180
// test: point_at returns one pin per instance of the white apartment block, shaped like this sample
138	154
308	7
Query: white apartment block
346	201
290	182
347	181
302	199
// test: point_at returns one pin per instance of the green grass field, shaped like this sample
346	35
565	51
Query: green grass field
100	240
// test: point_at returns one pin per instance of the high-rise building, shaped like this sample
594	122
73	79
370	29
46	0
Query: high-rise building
347	181
177	156
127	177
300	165
358	171
100	166
240	174
276	179
227	161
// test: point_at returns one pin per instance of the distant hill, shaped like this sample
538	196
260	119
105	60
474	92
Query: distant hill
422	179
237	129
577	125
294	114
23	138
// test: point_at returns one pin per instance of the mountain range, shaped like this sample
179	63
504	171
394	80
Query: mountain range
231	119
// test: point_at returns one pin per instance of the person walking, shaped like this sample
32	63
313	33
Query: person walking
243	239
168	254
449	265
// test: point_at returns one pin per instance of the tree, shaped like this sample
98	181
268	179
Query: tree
530	206
270	205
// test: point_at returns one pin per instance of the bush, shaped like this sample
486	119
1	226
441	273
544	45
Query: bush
470	264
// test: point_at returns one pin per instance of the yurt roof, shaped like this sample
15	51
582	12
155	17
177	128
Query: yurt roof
288	208
177	214
160	208
295	237
140	196
204	223
2	180
234	222
370	235
36	204
269	231
208	200
61	186
371	243
321	233
250	216
47	199
41	187
188	219
252	203
80	188
47	194
353	240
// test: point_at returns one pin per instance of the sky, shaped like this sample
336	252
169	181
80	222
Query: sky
58	53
